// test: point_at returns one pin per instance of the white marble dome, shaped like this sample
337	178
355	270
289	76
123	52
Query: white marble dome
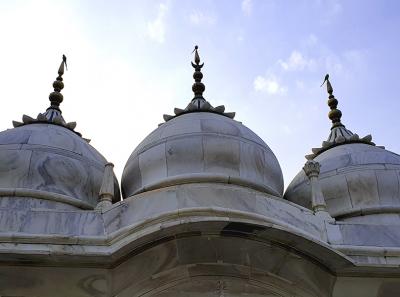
202	147
50	162
356	179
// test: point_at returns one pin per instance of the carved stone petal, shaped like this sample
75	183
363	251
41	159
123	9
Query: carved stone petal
219	109
316	150
167	117
206	106
58	120
27	119
340	139
41	117
71	125
230	115
200	105
17	124
191	107
354	137
367	138
326	144
309	157
178	111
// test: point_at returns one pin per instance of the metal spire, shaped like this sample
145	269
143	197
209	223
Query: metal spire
198	87
339	134
52	115
56	97
335	114
198	103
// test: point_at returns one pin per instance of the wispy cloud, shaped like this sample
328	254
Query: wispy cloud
247	7
156	28
312	58
297	61
200	18
269	84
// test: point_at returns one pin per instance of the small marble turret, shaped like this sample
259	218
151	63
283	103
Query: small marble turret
312	169
106	194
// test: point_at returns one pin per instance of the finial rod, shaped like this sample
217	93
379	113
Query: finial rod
56	97
199	103
198	87
334	114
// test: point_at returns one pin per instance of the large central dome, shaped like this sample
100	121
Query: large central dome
202	147
201	143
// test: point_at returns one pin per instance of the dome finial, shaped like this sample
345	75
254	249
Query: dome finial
56	97
52	115
335	114
199	103
339	134
198	87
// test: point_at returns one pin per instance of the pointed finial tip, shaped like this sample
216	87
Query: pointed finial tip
56	97
329	88
326	79
64	61
196	55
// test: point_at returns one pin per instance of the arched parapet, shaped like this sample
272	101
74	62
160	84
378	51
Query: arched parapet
202	256
230	200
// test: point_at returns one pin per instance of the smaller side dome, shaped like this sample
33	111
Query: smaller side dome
50	158
202	147
354	178
44	162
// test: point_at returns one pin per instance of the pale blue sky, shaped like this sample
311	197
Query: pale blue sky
129	63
